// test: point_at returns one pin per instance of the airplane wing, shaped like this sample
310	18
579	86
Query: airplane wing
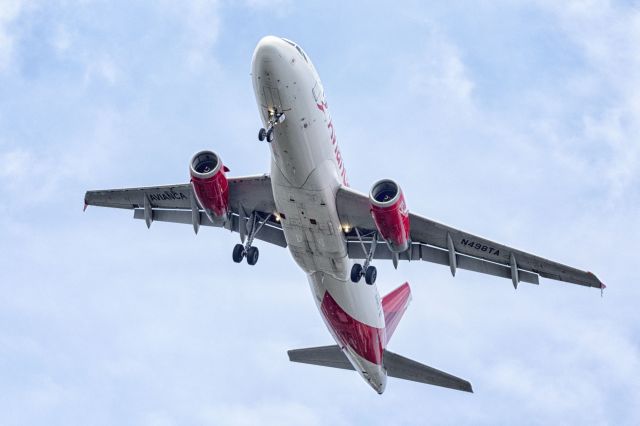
442	244
175	203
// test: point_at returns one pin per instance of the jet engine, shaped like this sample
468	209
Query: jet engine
390	214
210	185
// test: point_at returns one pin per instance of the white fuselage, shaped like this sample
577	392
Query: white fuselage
306	172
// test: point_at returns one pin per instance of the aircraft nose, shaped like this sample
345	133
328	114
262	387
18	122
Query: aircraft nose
269	49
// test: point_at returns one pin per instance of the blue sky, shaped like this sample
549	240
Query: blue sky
518	121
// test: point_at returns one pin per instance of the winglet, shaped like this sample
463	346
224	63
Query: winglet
85	206
602	285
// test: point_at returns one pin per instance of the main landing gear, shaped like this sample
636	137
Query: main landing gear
275	118
367	270
240	251
251	253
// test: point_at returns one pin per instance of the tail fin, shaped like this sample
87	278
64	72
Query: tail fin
393	305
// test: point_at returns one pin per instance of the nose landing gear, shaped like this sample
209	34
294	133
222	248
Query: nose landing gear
275	118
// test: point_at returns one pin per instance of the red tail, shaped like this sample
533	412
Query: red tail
394	304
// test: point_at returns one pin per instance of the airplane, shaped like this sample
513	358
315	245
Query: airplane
333	232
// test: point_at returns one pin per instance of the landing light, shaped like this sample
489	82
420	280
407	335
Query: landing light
346	228
277	216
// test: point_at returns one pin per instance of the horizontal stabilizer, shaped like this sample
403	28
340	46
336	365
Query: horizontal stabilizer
324	356
397	366
408	369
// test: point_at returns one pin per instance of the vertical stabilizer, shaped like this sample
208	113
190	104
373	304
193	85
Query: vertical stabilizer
394	304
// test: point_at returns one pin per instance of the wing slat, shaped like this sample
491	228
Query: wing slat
164	197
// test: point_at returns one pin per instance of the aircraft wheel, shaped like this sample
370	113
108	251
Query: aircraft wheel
370	275
238	253
252	255
269	135
262	134
356	272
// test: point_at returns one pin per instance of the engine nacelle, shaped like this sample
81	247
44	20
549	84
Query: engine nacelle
210	185
390	214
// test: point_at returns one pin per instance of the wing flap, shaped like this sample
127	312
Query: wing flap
489	268
354	250
436	255
441	257
269	232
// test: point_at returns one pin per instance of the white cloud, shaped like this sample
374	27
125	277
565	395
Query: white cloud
14	165
264	413
201	28
437	72
9	11
103	68
46	171
62	39
279	7
608	35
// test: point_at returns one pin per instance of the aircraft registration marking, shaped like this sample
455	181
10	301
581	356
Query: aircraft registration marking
480	246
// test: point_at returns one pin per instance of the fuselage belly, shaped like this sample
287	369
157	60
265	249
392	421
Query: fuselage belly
306	172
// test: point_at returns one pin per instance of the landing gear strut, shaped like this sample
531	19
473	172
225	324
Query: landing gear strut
367	270
247	250
275	118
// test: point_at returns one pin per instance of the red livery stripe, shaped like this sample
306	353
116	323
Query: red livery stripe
365	340
394	304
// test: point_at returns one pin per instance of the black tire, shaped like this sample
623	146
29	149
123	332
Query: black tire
270	135
370	275
356	272
252	255
238	253
262	134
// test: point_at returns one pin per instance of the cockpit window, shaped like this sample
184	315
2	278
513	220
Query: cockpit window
300	51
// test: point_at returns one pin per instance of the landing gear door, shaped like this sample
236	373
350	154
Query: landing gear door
271	101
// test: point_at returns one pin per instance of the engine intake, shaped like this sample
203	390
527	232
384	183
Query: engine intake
210	185
390	214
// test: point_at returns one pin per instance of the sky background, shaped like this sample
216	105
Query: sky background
518	121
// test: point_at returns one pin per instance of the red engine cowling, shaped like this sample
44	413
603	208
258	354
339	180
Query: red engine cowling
390	214
210	185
